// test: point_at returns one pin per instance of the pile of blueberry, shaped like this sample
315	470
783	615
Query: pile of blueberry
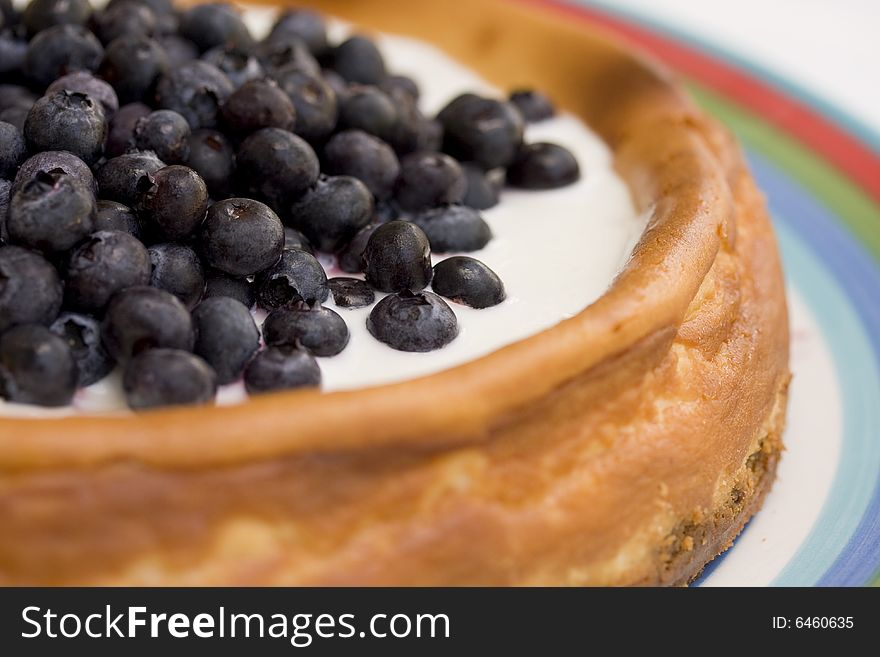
163	173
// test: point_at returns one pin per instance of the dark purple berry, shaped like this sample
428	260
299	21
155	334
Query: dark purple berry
226	336
358	60
196	90
68	121
173	199
223	285
179	51
107	262
483	187
454	228
126	18
543	166
177	269
36	367
369	109
486	131
313	99
297	276
59	50
115	216
413	322
119	178
398	257
319	330
133	64
86	83
281	368
82	333
240	66
51	212
54	162
12	150
292	53
468	281
213	158
241	237
142	318
428	180
368	158
164	132
258	104
533	105
397	84
351	257
276	166
215	24
351	292
303	24
331	212
39	15
120	130
168	377
293	239
30	289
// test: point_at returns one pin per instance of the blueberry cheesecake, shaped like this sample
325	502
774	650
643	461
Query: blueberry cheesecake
354	294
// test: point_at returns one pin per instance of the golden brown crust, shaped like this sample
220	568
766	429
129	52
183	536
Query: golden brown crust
615	448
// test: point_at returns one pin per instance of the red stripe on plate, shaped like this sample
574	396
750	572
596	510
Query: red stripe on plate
836	145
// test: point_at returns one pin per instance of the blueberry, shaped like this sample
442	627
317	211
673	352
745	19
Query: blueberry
337	83
275	55
5	191
164	132
258	104
195	90
397	84
222	285
41	14
13	51
412	131
119	177
281	368
486	131
179	51
429	179
173	199
30	289
12	150
398	257
53	162
226	336
358	60
369	109
293	239
297	276
313	99
51	212
15	116
115	216
468	281
241	237
483	187
141	318
109	261
319	330
215	24
133	64
355	153
413	322
332	211
164	11
86	83
82	333
127	18
59	50
168	377
12	95
120	128
68	121
543	166
533	105
303	24
36	367
454	228
213	158
240	66
277	166
351	257
351	292
177	269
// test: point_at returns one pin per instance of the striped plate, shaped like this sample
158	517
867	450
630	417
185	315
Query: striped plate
820	171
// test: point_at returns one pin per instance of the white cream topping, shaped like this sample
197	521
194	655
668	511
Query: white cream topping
556	251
